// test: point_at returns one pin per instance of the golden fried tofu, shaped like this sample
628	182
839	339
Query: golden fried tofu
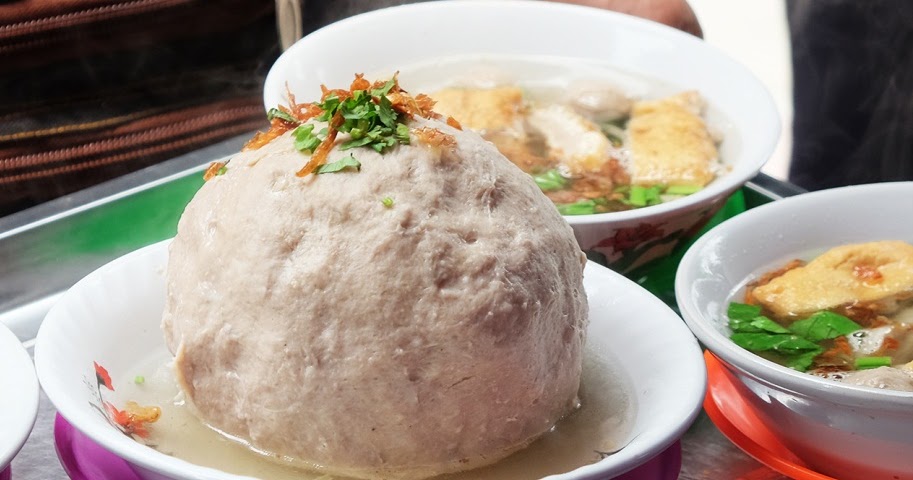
482	109
875	275
570	138
670	143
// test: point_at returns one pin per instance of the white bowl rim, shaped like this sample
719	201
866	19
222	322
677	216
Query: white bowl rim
132	451
754	158
761	369
20	399
689	398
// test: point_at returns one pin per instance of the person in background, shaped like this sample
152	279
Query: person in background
311	15
94	89
853	91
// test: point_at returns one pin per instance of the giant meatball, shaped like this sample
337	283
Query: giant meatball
423	315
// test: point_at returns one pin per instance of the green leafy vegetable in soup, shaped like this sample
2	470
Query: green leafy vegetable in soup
850	309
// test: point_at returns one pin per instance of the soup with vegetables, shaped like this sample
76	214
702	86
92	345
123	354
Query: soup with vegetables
846	315
591	145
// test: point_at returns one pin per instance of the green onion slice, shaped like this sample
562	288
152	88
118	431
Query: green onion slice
550	180
683	189
583	207
865	363
645	196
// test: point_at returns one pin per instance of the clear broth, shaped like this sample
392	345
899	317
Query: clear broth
603	423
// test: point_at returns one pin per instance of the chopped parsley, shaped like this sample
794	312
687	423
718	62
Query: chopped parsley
305	140
369	119
367	116
340	165
388	202
276	113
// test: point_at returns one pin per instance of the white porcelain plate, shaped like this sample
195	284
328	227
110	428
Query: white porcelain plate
112	317
18	396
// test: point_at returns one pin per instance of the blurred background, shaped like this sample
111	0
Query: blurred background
756	34
93	89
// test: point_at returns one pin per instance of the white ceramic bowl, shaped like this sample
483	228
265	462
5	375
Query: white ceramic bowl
18	396
841	430
112	317
395	38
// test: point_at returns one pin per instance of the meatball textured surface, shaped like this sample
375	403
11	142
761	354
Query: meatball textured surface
319	322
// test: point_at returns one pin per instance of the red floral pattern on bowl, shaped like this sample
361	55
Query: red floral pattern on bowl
627	243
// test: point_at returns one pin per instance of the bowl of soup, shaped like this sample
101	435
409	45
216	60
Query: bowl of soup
103	361
367	291
637	132
808	302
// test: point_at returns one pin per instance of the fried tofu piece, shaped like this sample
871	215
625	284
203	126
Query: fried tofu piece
670	143
484	110
876	275
571	139
518	151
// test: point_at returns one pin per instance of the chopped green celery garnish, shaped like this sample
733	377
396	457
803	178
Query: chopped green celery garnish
550	180
276	113
402	133
340	165
139	380
683	189
645	196
305	140
583	207
388	202
865	363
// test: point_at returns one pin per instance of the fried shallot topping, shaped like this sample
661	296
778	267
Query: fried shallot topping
215	169
373	114
281	120
434	137
454	123
323	149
